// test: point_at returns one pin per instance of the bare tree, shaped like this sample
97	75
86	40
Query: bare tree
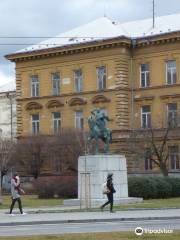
6	151
153	143
36	154
29	154
66	147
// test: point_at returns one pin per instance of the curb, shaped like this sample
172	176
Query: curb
85	210
35	211
87	221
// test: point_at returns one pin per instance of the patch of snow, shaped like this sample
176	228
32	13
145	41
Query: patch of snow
104	28
10	86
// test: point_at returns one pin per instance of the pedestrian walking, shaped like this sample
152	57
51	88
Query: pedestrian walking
16	191
109	192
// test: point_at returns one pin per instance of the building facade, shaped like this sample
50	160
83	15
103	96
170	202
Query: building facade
135	79
8	111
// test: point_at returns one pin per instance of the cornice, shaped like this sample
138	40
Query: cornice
70	49
145	98
157	87
174	95
79	94
157	39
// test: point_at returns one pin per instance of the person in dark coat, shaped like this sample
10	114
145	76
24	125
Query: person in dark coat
110	192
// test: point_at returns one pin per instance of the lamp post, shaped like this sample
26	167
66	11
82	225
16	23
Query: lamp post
10	97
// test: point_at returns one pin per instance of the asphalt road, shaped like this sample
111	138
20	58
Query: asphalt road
62	228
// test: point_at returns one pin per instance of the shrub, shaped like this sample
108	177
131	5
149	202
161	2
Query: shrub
153	187
141	187
44	188
164	189
175	183
63	186
67	188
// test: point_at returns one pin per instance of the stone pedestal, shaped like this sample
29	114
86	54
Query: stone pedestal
92	173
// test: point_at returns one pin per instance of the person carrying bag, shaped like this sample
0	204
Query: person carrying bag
108	189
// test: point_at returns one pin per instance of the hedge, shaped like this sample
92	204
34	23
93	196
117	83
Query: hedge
60	186
154	187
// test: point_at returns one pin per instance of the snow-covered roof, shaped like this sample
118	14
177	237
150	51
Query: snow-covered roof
8	87
104	28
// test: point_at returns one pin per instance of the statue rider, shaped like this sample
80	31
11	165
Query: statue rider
100	119
98	130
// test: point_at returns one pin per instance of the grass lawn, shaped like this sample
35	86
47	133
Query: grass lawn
100	236
154	203
32	201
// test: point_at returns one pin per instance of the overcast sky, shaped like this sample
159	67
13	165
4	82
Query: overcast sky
41	18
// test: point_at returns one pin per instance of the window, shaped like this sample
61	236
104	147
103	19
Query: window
146	117
171	72
147	160
79	122
35	124
101	77
78	80
145	79
34	86
174	157
172	115
56	122
55	83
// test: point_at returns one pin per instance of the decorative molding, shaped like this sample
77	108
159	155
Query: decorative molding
158	87
70	49
33	105
54	103
174	95
74	94
158	39
77	101
100	99
145	98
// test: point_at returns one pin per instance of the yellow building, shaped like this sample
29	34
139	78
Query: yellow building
130	70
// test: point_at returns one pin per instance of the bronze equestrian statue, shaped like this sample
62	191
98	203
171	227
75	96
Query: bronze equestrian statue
98	130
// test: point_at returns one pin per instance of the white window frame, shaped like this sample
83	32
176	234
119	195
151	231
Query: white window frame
78	80
35	125
56	122
174	156
56	82
146	76
147	116
148	164
79	120
34	86
172	70
101	80
174	116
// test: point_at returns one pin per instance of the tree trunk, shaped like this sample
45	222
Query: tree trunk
0	189
164	170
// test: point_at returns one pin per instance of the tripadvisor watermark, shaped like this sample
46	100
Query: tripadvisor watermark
140	231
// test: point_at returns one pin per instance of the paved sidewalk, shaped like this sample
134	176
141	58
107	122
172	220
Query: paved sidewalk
33	217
